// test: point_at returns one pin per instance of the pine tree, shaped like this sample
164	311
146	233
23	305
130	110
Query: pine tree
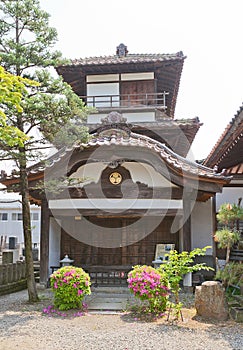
26	50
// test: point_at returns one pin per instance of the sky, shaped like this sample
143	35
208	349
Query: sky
208	32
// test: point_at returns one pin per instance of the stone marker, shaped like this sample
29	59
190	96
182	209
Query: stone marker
210	301
7	257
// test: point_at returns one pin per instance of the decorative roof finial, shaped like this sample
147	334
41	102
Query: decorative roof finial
121	50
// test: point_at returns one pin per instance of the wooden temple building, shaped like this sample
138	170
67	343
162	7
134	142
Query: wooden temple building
140	194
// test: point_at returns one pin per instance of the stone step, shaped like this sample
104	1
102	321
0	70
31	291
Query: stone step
106	304
110	290
111	295
109	299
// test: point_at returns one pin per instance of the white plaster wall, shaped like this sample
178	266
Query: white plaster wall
139	117
90	172
124	76
229	195
137	76
102	78
131	117
95	118
202	225
144	173
100	91
54	243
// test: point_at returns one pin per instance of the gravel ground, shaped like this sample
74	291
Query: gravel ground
23	326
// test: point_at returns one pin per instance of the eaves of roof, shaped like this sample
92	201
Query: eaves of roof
168	68
178	164
228	141
128	59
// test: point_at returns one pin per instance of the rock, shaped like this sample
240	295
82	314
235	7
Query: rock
210	301
236	314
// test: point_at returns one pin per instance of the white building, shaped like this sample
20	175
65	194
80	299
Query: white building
11	230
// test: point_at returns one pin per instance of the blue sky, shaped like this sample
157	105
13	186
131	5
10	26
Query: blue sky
209	33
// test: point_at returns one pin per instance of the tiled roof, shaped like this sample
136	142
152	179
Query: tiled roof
129	58
228	149
165	122
168	68
178	163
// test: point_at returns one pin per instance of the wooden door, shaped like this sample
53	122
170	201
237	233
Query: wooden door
134	93
142	251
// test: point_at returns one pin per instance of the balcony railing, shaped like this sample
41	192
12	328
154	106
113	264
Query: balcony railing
144	100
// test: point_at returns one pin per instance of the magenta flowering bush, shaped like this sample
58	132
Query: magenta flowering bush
52	312
147	283
70	284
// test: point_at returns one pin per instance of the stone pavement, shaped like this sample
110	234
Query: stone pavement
109	299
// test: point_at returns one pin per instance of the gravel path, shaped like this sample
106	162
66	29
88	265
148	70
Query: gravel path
23	326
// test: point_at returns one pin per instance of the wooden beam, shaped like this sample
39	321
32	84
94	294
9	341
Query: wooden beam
214	220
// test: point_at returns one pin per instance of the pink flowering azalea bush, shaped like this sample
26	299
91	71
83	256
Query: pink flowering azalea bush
147	283
70	284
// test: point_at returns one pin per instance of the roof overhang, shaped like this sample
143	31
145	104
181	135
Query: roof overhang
227	152
114	144
167	68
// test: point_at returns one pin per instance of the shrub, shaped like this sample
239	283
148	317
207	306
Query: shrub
226	239
177	266
70	284
146	283
228	215
232	274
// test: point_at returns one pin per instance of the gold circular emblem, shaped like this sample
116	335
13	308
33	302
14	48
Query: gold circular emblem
115	178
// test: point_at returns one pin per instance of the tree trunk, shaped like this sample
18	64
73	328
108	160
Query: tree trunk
31	285
227	254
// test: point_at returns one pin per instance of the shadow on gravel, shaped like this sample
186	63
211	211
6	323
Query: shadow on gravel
8	321
229	332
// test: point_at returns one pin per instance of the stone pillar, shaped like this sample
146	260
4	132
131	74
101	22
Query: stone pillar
210	301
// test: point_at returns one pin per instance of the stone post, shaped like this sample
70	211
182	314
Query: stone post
210	301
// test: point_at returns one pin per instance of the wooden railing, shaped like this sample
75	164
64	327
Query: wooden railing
108	275
236	255
143	100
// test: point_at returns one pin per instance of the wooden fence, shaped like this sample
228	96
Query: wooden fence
12	277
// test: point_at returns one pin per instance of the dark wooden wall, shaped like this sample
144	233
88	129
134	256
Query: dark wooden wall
141	252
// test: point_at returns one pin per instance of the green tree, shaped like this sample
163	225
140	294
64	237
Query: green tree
26	50
12	89
177	266
228	215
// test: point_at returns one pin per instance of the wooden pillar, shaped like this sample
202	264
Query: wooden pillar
214	221
44	243
186	230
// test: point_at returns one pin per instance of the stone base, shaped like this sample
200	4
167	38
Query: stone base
13	287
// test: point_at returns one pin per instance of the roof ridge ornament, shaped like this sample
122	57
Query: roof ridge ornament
121	50
113	118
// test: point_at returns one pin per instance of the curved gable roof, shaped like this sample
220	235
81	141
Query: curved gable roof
118	143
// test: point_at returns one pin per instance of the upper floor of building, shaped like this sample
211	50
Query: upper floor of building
142	87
